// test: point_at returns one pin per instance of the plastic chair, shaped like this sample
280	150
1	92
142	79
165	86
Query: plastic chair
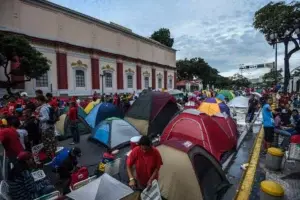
113	168
80	184
51	196
4	188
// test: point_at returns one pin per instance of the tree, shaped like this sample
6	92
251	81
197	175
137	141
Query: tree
272	77
163	36
241	82
29	62
280	22
196	68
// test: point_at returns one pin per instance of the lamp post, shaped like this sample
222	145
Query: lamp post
102	81
285	36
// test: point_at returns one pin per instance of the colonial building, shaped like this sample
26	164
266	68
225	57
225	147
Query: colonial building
83	50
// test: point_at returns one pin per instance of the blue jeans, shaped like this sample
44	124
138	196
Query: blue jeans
286	135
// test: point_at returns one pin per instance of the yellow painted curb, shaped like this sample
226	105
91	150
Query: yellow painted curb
247	180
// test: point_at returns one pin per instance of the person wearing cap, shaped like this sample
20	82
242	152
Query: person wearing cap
22	185
68	166
31	125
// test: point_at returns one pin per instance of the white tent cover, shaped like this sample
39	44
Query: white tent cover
103	188
239	102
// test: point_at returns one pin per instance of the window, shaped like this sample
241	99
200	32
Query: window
108	80
42	81
129	81
159	82
170	86
80	79
146	82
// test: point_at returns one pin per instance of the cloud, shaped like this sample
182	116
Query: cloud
220	31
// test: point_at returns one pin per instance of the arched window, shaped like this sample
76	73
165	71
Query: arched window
80	78
129	81
146	82
42	81
170	86
159	82
108	80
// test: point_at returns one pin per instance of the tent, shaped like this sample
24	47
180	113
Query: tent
212	106
227	93
63	128
114	132
202	130
176	93
91	105
80	110
189	172
228	124
151	112
239	102
104	187
100	112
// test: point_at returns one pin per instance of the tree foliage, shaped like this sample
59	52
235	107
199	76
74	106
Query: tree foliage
197	68
280	19
163	36
270	77
31	63
238	80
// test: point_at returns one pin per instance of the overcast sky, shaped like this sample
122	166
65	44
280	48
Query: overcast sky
220	31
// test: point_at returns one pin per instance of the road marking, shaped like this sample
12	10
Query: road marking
246	183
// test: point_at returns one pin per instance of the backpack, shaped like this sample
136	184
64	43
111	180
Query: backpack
53	115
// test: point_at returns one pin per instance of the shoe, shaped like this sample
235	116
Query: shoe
72	143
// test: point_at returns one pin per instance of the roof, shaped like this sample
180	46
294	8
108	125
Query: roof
113	26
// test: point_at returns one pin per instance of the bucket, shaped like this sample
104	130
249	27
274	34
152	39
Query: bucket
134	141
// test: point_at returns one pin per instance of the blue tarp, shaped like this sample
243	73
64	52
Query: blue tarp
100	112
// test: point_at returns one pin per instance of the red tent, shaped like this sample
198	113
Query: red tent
228	124
200	129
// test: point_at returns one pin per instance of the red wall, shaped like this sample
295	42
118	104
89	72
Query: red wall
153	79
62	71
138	78
95	73
14	65
120	85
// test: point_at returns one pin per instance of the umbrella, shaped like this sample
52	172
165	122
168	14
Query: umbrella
213	106
256	94
221	97
228	94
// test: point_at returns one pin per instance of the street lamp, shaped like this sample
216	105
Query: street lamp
102	81
285	35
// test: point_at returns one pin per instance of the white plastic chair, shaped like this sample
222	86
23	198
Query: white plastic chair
4	189
51	196
35	152
80	184
113	168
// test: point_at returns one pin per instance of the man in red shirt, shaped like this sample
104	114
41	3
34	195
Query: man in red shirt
73	117
11	142
147	161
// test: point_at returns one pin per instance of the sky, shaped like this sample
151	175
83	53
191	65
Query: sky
220	31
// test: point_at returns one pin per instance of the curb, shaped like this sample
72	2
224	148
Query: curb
247	180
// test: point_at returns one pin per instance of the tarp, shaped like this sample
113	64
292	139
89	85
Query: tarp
100	112
114	132
189	172
239	102
105	187
151	112
91	105
63	126
200	129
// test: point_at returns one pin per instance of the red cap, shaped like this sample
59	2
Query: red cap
24	155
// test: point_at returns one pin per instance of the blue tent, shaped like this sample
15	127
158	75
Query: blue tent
100	112
113	133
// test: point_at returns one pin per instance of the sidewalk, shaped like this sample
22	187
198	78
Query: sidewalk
288	178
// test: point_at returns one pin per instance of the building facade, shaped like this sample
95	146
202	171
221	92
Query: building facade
87	54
